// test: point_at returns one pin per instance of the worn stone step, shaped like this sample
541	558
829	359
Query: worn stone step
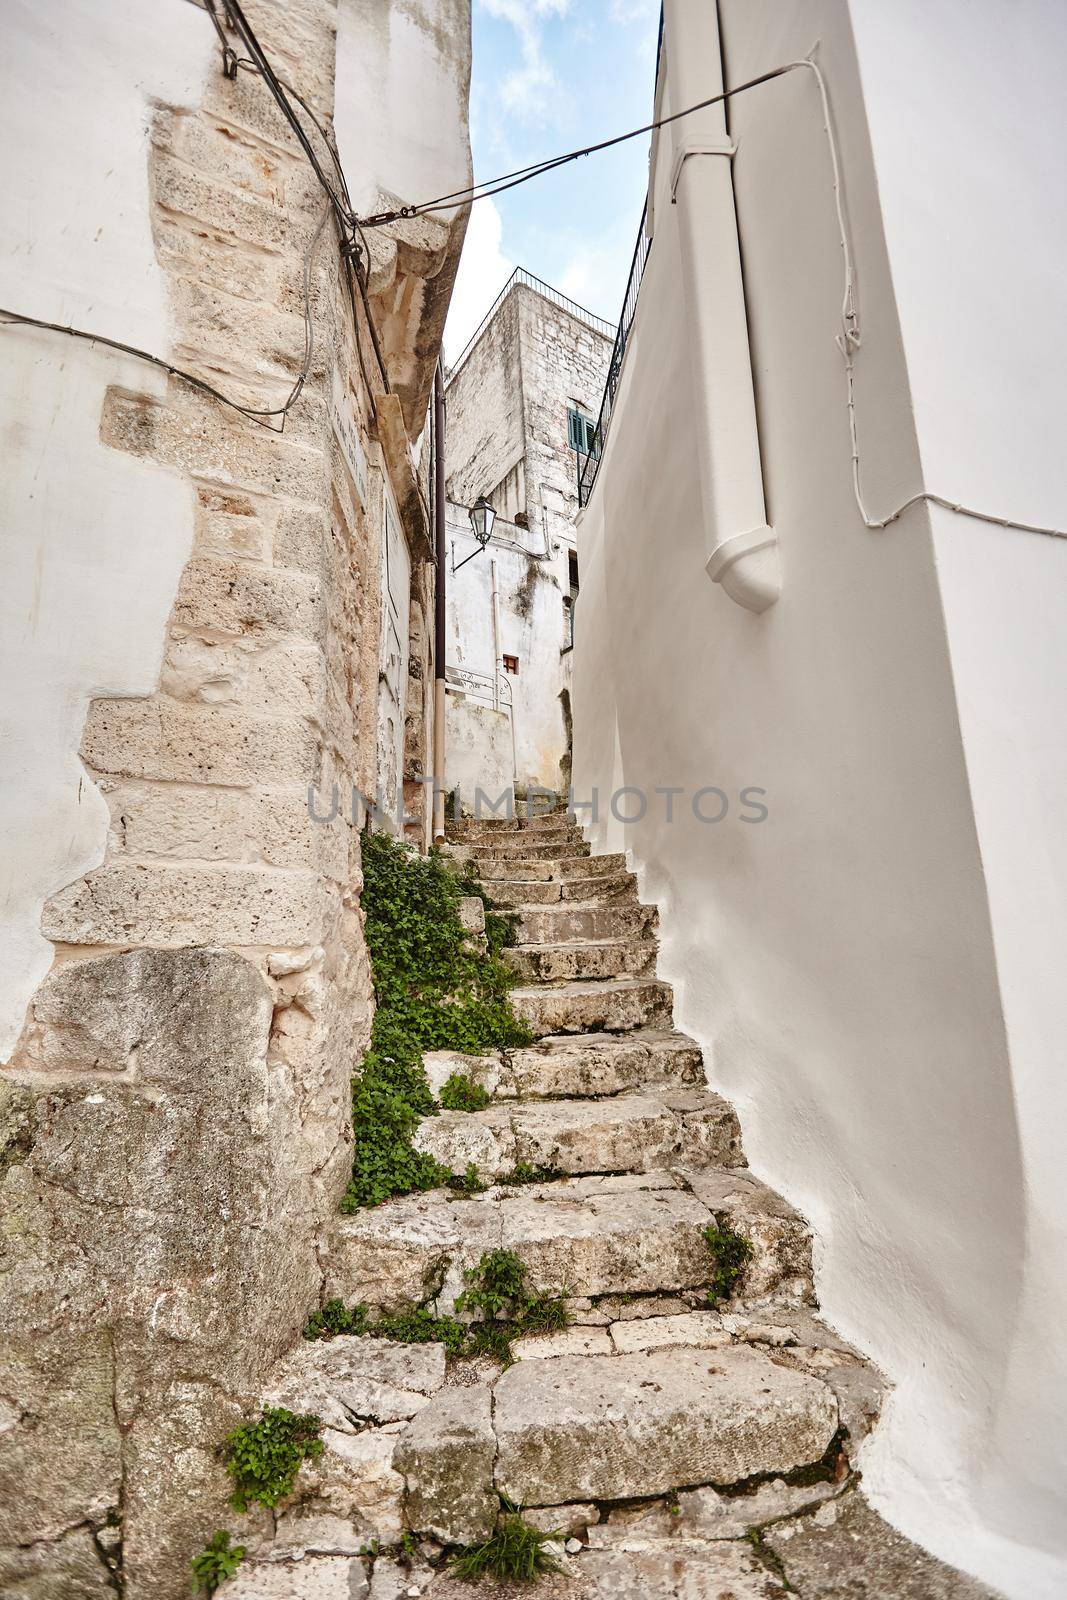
576	1066
617	888
614	1006
626	1133
625	1235
621	1426
467	830
606	1064
575	963
527	847
533	870
582	921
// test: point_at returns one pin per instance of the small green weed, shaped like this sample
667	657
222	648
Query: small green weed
469	1183
333	1318
522	1173
514	1551
460	1093
496	1291
433	992
732	1254
264	1457
770	1558
218	1561
496	1296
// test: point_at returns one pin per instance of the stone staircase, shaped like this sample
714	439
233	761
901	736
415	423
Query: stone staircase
685	1450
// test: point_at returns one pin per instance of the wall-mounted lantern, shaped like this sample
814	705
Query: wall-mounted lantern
482	517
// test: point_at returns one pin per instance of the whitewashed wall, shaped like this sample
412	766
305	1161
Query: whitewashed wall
532	628
94	541
875	968
507	438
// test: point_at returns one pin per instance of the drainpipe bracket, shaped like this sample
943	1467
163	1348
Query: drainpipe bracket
725	147
748	567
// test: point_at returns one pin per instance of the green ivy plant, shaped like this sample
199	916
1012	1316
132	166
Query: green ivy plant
467	1182
497	1307
460	1093
264	1457
732	1252
433	992
218	1561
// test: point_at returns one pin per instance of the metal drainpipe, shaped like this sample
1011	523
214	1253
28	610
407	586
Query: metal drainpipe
439	606
498	660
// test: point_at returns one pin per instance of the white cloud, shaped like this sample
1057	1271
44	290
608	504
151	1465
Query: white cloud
626	11
483	271
532	91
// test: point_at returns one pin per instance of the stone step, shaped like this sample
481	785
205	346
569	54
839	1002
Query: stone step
626	1133
615	1427
627	1235
617	888
541	830
606	1064
527	847
582	1066
562	868
582	921
577	963
615	1006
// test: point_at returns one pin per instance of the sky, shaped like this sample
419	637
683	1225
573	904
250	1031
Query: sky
549	76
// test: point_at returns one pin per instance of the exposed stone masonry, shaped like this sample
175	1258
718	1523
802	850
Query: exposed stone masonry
176	1122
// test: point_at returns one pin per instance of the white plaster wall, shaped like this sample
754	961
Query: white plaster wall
401	112
532	627
875	969
93	541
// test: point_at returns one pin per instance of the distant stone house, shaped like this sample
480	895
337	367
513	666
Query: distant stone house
522	400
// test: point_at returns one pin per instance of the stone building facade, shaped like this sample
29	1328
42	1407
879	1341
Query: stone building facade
206	615
522	403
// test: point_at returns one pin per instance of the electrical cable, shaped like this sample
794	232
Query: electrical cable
511	180
255	414
848	341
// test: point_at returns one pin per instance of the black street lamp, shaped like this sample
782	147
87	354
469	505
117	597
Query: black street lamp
482	518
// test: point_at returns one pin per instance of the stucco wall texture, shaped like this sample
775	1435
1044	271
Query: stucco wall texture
871	969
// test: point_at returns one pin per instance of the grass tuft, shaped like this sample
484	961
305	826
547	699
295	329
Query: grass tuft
515	1551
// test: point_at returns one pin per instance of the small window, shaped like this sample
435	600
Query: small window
572	571
581	432
511	664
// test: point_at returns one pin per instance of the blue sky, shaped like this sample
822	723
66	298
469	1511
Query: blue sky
548	76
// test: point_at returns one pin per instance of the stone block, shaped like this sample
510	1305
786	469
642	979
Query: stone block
617	1427
446	1456
192	743
325	1577
228	597
162	903
246	219
350	1382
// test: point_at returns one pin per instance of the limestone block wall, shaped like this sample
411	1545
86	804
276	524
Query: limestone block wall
191	989
508	438
564	363
486	427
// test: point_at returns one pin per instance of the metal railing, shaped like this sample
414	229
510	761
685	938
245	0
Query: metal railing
492	689
521	276
589	465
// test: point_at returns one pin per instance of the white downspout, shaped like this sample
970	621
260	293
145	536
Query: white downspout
498	660
742	550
